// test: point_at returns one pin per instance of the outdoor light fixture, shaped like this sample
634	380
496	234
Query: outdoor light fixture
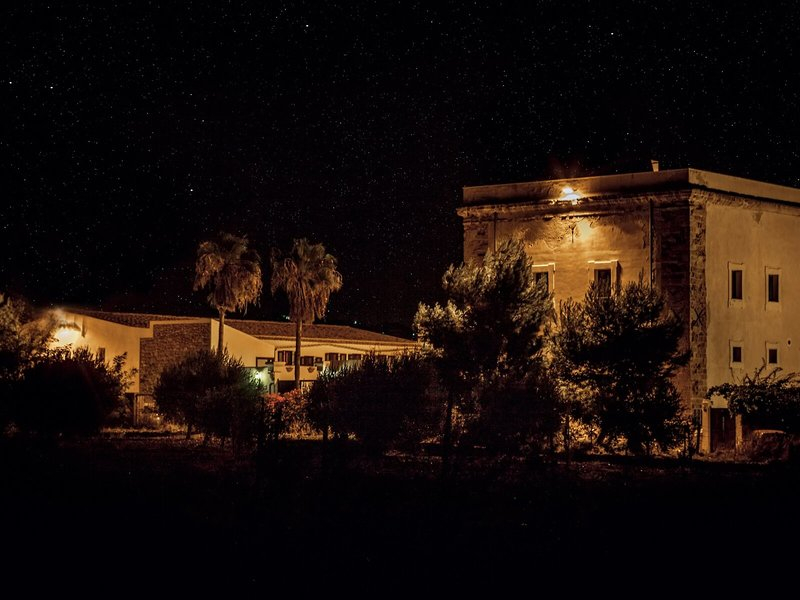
568	193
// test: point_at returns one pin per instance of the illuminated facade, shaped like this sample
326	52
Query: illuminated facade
153	342
724	251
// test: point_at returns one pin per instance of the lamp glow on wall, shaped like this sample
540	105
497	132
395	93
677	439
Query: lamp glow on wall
569	194
67	334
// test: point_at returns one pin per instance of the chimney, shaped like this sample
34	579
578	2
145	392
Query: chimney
654	164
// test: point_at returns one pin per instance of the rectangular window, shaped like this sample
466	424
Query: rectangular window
737	280
605	275
602	279
307	361
772	356
285	356
354	357
773	294
544	275
331	356
263	361
736	354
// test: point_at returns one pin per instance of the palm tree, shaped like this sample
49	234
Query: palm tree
308	275
233	272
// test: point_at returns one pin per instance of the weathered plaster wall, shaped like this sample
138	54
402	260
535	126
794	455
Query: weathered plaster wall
115	338
759	236
648	236
241	345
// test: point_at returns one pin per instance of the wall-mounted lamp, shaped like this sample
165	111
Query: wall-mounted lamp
568	193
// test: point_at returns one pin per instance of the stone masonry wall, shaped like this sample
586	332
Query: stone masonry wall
698	326
671	271
170	343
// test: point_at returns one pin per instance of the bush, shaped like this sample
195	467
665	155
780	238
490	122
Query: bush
286	414
515	416
766	399
384	402
213	393
70	392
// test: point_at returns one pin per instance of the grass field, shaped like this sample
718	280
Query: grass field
161	513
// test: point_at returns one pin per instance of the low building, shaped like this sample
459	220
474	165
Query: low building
724	251
153	342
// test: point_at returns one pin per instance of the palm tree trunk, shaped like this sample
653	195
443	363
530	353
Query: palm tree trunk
297	335
221	329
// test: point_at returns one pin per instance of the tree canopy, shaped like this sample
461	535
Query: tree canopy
489	334
233	272
617	353
308	276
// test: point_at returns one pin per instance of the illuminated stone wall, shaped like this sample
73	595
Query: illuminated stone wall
169	344
640	236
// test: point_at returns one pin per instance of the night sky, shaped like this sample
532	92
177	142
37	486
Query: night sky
133	131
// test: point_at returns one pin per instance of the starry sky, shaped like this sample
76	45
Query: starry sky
132	131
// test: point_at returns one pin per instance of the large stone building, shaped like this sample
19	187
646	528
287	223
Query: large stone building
724	250
152	342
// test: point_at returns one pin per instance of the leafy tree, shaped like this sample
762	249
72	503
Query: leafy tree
489	332
767	399
621	351
383	402
233	271
509	420
212	392
308	276
70	392
24	336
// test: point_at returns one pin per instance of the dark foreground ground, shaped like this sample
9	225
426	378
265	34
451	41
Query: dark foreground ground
157	516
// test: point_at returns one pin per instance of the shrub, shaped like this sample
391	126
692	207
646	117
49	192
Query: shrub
70	392
286	414
384	402
212	392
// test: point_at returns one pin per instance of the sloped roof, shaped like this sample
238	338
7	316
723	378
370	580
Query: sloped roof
261	329
129	319
285	329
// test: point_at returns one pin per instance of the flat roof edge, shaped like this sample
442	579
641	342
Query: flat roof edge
654	181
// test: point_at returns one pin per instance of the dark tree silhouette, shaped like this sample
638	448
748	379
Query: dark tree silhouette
308	276
490	329
233	271
619	352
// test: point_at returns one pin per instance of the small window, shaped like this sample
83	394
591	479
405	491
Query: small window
772	356
736	354
602	279
773	287
544	275
737	279
542	279
307	361
285	356
354	357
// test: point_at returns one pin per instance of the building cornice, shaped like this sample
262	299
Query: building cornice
625	185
